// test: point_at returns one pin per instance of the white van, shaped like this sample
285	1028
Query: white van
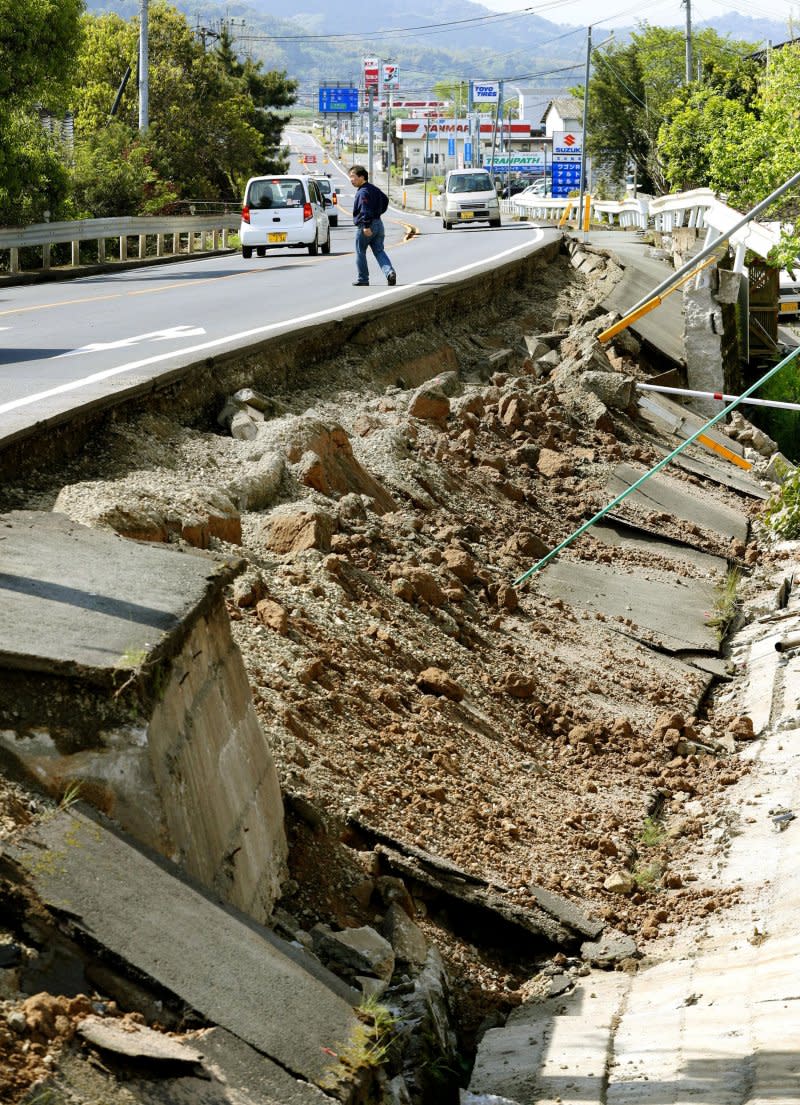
469	196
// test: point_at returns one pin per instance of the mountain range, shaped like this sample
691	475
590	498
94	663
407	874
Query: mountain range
324	41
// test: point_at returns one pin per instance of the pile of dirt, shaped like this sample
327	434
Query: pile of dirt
403	680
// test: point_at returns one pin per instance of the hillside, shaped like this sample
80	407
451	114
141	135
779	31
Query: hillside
326	41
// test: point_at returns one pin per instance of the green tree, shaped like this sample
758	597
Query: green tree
113	175
636	86
210	118
267	92
38	40
692	142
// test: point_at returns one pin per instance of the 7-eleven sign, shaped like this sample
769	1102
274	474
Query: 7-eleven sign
391	77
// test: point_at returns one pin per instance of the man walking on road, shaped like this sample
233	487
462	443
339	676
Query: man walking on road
370	203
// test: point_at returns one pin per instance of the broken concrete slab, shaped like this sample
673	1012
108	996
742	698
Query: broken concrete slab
477	904
722	473
248	1072
671	616
626	535
139	913
690	503
136	1041
120	677
71	595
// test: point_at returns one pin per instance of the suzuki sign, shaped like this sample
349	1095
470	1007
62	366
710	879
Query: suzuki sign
567	143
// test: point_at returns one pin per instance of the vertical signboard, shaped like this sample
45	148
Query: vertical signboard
391	77
566	167
372	76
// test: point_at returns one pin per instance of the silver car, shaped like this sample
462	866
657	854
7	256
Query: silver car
331	197
282	212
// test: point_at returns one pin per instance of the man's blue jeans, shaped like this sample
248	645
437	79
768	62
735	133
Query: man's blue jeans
375	243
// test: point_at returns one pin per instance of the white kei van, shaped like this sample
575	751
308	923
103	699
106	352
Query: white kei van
469	196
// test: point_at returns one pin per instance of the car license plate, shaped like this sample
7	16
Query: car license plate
276	237
465	214
789	308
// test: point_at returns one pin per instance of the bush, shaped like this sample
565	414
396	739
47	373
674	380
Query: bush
782	514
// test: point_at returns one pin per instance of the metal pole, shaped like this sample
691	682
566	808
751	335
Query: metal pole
688	4
389	146
370	129
144	79
585	123
709	249
425	166
774	403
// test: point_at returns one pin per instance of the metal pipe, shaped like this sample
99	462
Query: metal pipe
720	395
657	467
584	125
792	640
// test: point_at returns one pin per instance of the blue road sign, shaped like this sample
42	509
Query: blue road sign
340	100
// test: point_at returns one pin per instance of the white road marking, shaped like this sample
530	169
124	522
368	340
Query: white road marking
171	334
258	331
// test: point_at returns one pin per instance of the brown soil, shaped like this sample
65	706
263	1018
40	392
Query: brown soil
403	680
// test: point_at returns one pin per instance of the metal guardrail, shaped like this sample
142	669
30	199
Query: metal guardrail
170	235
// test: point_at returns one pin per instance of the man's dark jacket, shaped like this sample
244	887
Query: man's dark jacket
370	203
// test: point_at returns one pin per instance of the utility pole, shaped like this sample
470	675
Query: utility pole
370	128
144	76
389	145
688	4
585	122
144	67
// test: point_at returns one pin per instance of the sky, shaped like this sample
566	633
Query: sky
663	13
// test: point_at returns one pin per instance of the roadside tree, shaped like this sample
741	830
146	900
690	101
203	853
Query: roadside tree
38	40
209	118
634	88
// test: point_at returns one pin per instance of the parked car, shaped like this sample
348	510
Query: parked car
789	293
283	211
513	187
468	195
331	197
541	187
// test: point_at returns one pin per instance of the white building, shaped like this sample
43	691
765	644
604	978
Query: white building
429	147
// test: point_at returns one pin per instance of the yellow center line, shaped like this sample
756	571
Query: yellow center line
121	295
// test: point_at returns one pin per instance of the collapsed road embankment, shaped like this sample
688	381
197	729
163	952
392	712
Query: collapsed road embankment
453	750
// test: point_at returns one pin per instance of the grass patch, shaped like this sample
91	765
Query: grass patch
782	512
652	833
647	875
726	603
367	1047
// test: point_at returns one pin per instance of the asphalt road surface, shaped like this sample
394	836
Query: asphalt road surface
63	344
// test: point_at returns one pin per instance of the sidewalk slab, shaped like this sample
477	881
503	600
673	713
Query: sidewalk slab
690	503
137	911
63	588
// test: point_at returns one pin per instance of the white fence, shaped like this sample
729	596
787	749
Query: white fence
698	209
167	235
664	213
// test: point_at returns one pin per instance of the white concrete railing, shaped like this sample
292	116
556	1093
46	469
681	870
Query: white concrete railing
662	212
624	213
172	234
